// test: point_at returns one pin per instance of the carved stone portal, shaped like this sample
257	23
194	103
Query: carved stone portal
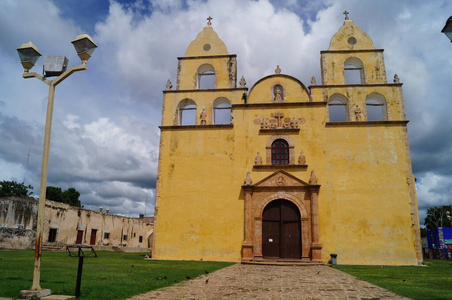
281	185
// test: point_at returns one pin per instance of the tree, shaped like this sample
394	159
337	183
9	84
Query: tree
14	189
437	217
54	193
69	196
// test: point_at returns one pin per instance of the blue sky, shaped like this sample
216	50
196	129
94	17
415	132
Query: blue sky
105	132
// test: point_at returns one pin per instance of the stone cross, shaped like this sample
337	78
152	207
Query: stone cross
346	15
208	21
278	116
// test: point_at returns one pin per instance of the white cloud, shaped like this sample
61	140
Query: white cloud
105	135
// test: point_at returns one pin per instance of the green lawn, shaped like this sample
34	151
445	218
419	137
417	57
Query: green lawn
423	283
112	275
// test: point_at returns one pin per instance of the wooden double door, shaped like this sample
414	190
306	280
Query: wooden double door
281	230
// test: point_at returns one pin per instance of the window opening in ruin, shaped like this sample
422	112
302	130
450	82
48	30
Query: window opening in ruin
52	235
124	237
221	111
106	235
280	152
337	111
140	239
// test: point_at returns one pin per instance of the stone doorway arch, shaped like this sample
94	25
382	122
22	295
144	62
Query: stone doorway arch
301	194
281	230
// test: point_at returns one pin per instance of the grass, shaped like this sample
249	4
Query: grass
112	275
423	283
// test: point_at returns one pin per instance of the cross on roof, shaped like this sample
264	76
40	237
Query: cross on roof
208	21
346	15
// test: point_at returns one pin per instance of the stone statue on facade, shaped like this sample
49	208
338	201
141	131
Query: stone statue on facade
278	95
313	81
313	179
358	113
258	159
396	78
301	159
242	82
203	116
169	85
248	180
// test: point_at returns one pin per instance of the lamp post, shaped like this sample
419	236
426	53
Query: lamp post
53	66
447	30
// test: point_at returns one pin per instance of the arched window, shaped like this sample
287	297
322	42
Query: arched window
206	77
280	152
338	108
278	93
353	71
221	111
376	108
187	112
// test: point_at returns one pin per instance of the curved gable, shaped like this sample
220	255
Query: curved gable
351	37
293	89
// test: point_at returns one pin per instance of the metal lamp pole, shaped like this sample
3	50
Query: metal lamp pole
29	55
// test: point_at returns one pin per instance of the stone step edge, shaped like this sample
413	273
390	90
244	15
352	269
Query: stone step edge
280	263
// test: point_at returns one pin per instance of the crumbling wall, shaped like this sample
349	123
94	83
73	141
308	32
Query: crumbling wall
18	213
14	238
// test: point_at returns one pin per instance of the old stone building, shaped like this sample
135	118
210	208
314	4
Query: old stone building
282	170
68	225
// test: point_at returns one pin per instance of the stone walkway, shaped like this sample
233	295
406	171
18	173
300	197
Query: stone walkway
273	282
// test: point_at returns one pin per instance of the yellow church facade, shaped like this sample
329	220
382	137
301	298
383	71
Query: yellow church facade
285	171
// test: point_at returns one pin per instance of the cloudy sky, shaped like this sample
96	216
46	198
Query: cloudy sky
105	135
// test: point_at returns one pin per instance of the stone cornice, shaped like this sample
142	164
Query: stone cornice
366	123
279	104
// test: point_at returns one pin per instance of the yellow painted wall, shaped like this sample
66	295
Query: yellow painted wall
367	212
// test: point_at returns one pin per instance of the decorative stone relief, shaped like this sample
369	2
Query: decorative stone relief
301	159
281	180
248	180
313	81
242	82
176	118
313	179
396	78
358	113
258	159
277	70
203	116
169	85
279	122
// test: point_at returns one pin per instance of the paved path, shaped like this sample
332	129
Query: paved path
273	282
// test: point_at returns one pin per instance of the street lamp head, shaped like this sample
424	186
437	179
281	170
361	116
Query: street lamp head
28	54
447	30
84	46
